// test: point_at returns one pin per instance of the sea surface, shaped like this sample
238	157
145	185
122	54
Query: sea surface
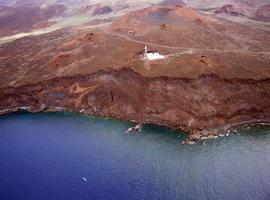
73	157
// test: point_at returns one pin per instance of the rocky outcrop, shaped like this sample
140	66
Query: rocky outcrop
201	106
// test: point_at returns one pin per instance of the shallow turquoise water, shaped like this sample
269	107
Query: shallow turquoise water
67	156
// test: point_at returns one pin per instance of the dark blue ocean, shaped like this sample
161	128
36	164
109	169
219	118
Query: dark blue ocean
73	157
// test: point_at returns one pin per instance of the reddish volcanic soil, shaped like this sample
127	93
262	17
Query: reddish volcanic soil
188	28
215	75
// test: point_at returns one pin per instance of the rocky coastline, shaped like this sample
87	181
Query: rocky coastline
205	107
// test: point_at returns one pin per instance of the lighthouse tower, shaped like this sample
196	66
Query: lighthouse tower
145	52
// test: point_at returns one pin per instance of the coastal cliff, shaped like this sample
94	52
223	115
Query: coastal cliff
202	106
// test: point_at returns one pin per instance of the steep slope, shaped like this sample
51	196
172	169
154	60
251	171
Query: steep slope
207	105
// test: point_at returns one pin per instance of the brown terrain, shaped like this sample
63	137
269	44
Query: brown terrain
215	74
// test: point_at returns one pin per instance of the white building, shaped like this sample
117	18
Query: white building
152	56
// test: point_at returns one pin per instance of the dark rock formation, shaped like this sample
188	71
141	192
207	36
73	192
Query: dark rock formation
200	106
229	10
102	10
262	14
24	19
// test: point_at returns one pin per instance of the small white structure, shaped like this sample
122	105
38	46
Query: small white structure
152	56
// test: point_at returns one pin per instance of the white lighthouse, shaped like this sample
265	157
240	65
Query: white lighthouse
145	52
152	56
